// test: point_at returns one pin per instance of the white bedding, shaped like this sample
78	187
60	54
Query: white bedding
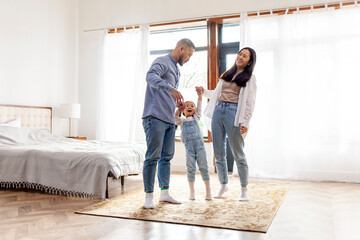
35	158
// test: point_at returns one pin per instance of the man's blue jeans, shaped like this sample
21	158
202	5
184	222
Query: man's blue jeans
223	124
160	140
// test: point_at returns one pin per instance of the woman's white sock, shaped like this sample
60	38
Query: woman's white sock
222	190
244	194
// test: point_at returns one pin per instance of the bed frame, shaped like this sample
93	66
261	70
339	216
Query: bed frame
35	117
31	117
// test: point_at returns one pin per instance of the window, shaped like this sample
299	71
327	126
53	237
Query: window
194	72
229	41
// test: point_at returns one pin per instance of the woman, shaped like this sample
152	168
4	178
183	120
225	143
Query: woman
230	108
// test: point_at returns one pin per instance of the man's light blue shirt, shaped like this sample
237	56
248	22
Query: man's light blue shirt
163	75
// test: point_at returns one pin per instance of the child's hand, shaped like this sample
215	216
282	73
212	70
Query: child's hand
181	106
199	91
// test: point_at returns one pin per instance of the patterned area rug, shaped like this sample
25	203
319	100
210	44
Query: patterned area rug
227	212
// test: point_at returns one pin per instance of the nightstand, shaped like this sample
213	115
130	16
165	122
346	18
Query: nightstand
78	138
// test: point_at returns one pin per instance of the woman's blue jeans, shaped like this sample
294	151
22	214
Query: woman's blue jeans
223	125
160	140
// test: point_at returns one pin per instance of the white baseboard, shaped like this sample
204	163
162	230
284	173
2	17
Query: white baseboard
306	175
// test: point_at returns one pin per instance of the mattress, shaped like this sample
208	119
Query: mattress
37	159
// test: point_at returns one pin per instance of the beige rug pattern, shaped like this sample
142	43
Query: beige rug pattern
227	212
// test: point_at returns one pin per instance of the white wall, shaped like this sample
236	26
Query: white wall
114	13
39	54
88	72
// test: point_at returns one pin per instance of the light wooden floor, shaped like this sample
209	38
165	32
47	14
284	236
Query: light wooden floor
311	210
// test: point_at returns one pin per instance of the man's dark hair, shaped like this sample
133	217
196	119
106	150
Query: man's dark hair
186	43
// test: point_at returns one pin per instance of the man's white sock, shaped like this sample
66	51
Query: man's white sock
149	200
166	197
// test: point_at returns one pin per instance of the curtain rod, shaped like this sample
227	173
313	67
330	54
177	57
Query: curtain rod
279	11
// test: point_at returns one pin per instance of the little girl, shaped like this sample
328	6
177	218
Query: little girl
195	150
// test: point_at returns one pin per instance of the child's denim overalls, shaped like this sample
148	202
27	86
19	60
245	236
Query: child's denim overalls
195	150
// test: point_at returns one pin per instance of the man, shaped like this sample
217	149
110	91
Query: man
159	121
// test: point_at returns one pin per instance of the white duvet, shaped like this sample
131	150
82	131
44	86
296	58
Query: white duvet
34	158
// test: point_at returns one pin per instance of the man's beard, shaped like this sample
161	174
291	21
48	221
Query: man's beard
180	61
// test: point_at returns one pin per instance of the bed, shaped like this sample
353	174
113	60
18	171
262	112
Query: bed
33	158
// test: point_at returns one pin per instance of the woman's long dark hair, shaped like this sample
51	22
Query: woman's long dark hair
242	78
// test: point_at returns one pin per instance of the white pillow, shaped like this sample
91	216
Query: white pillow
13	135
19	135
12	123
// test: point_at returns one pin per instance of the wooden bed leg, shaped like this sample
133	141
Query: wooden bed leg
107	188
122	179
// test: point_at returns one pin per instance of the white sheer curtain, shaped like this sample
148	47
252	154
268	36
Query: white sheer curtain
122	88
100	131
306	123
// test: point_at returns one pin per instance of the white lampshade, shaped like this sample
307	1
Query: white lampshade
70	110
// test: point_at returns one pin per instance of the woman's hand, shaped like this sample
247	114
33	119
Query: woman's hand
243	130
199	90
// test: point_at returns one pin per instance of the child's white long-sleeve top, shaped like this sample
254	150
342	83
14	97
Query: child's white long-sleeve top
196	117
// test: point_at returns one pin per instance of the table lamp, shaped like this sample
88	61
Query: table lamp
70	110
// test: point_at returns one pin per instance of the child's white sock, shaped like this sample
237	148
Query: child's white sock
244	195
192	191
149	200
165	197
208	190
223	189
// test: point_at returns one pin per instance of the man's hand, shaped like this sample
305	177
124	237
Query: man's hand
243	130
177	95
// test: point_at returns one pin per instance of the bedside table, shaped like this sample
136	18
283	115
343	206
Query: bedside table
78	138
